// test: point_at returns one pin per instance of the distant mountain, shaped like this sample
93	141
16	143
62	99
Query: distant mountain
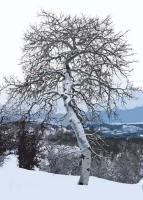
135	102
134	115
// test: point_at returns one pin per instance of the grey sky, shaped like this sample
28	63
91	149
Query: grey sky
16	15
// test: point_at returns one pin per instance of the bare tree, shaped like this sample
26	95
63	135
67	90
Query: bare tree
80	60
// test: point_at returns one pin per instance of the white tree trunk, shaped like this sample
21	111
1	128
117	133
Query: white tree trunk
78	129
83	144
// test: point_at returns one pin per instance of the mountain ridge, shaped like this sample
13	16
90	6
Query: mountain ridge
134	115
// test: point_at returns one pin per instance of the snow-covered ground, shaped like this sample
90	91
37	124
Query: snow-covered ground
20	184
125	131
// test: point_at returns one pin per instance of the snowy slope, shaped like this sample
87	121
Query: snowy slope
20	184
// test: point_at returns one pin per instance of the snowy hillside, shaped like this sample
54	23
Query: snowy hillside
120	131
20	184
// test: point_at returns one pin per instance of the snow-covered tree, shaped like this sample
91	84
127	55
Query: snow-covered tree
80	60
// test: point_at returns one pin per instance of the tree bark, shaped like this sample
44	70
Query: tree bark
78	129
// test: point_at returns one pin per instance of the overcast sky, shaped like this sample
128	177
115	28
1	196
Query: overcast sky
16	15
